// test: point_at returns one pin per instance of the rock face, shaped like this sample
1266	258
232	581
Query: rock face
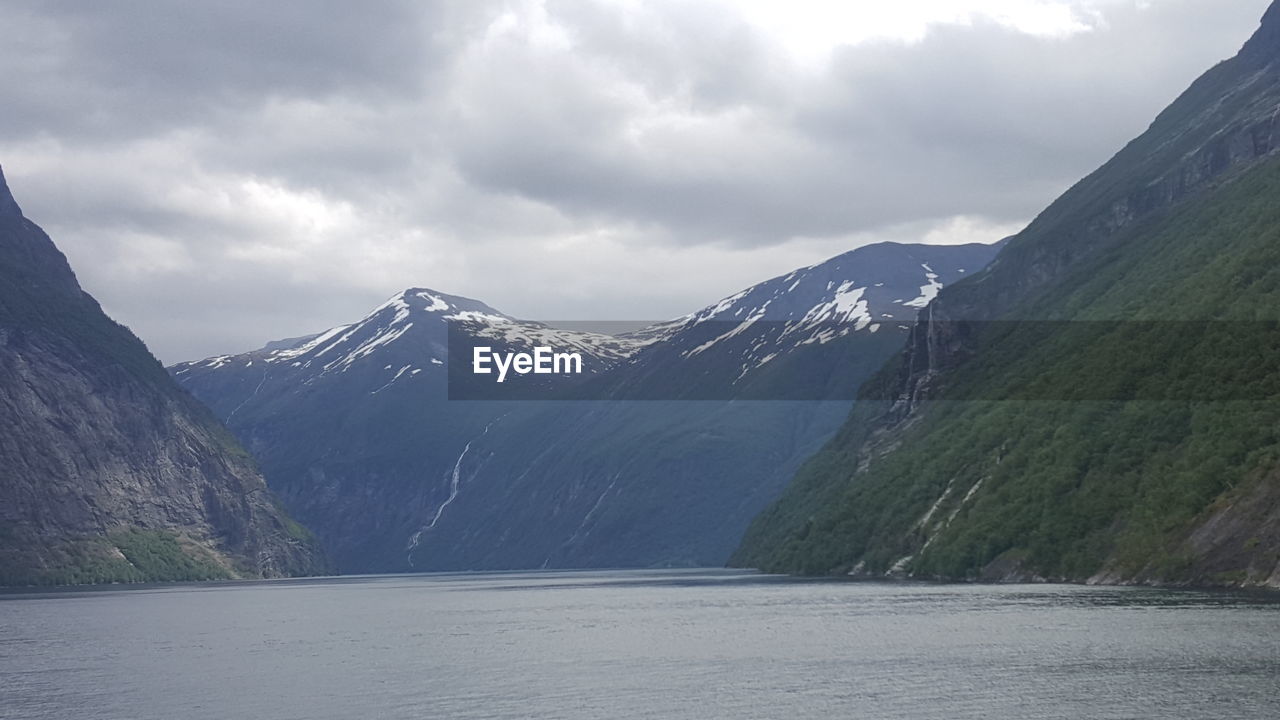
108	470
1103	437
657	463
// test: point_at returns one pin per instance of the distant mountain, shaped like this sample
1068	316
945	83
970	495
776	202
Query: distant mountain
404	339
1101	402
110	472
746	345
655	461
354	426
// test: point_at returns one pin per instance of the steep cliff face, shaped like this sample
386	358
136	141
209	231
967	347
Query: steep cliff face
108	470
1090	431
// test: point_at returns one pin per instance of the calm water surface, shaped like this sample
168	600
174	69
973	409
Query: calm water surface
705	644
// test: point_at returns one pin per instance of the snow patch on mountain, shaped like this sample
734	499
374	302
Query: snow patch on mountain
928	291
306	347
368	347
437	305
214	363
392	380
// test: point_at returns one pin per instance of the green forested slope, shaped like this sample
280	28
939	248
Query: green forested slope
1133	446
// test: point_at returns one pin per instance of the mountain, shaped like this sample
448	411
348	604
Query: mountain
108	470
746	345
377	434
1099	404
354	426
407	338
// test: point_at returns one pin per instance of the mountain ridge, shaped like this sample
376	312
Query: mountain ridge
8	204
1177	226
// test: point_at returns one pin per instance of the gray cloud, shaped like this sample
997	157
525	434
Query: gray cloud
223	173
132	69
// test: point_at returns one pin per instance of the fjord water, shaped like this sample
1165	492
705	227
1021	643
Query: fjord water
693	644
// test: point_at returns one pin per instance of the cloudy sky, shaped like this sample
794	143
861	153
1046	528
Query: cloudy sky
221	174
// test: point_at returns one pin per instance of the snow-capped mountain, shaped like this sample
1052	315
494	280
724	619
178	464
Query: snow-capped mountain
356	431
403	338
353	424
721	350
854	289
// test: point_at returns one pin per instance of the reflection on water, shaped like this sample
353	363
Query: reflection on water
642	644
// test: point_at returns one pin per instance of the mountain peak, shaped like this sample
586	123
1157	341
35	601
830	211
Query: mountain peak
8	206
1265	43
425	300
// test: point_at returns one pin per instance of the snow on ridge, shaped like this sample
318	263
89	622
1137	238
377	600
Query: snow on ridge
402	312
368	347
386	331
709	312
377	331
727	303
332	350
346	330
848	302
437	304
396	302
306	347
840	308
929	291
737	329
478	316
846	305
397	377
656	333
531	334
403	309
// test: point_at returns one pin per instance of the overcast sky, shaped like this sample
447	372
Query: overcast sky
224	173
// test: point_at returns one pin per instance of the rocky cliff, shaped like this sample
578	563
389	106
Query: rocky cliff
108	470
